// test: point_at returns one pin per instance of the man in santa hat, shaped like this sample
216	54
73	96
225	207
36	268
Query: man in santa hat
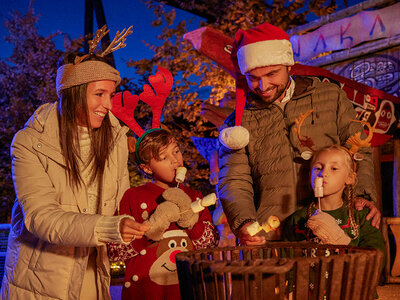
263	164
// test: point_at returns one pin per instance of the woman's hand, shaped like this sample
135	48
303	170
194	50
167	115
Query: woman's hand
131	229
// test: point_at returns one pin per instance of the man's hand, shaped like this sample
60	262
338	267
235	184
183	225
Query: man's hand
130	229
374	213
246	239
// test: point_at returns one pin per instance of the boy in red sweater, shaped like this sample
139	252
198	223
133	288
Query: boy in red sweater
150	262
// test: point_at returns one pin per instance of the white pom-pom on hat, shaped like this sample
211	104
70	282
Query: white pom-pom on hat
235	138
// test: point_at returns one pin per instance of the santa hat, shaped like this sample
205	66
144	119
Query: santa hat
261	46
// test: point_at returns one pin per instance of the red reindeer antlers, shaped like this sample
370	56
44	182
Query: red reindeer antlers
162	85
124	103
123	107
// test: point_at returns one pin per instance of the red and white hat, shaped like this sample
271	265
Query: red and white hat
260	46
263	45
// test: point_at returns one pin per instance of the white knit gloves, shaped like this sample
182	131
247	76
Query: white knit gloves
327	229
165	214
187	217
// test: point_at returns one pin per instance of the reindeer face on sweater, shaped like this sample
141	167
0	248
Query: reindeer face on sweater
163	270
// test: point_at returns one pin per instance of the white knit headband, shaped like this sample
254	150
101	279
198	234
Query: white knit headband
70	75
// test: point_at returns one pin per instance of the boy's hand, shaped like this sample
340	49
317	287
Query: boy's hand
131	229
374	213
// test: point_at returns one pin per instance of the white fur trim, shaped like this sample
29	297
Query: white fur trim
265	53
234	138
172	233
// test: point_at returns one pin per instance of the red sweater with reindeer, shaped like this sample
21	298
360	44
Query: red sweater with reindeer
150	266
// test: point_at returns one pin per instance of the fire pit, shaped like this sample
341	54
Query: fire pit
280	271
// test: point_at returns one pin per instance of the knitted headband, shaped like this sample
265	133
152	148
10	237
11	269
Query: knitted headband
82	71
70	75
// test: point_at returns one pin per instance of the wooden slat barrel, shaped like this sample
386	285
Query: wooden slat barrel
280	270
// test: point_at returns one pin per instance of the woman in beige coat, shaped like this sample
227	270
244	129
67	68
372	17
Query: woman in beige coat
69	166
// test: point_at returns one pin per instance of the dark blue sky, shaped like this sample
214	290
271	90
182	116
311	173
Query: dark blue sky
68	17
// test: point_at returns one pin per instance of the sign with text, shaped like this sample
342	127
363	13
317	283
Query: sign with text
347	33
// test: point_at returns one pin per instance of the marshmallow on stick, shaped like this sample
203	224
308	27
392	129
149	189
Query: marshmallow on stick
180	174
200	204
271	225
318	190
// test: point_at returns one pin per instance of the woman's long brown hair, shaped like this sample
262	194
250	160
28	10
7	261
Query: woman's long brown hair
73	105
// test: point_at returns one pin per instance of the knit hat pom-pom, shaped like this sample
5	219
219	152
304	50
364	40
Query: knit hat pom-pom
235	138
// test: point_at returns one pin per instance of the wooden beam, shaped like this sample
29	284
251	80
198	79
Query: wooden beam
396	177
376	159
96	6
88	22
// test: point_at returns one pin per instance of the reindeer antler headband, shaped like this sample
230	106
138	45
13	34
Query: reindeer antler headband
82	71
124	104
355	140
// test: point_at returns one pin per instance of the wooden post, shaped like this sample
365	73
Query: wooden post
97	7
396	177
376	160
88	21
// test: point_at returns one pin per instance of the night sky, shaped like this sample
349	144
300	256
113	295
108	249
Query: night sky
68	17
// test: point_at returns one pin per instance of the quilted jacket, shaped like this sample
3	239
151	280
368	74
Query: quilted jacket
269	176
51	230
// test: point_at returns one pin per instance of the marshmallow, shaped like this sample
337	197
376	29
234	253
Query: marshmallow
208	200
200	204
253	228
196	206
318	190
180	174
271	225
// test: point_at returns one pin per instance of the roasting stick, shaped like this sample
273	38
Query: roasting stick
199	204
318	190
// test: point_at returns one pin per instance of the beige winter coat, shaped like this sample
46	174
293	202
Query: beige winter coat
50	228
269	177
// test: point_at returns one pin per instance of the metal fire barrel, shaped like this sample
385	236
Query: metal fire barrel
280	270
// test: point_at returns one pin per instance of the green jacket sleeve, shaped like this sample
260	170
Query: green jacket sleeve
294	226
369	236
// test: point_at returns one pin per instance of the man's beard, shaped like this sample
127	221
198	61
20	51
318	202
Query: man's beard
280	90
